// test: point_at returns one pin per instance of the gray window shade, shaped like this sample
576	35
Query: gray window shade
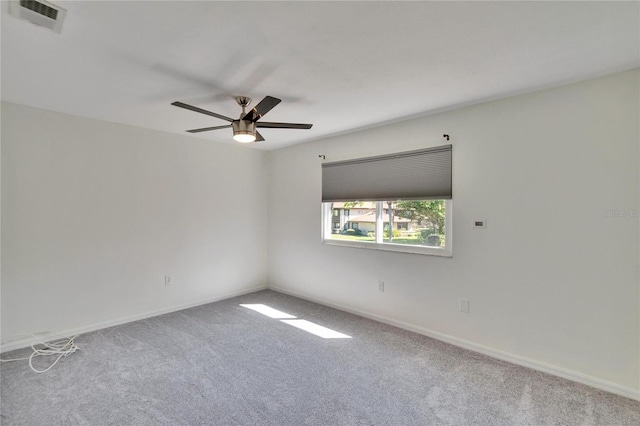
413	175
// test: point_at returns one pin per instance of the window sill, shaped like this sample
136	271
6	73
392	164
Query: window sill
401	248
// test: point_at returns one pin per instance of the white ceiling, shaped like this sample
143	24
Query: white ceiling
339	65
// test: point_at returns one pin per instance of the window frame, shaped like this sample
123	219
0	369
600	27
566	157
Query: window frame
446	251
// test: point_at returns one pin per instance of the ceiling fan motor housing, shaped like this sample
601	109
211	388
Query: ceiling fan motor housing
244	127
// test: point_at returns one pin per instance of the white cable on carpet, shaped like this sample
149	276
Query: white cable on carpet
61	348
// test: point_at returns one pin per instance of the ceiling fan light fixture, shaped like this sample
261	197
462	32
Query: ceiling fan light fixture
244	131
244	137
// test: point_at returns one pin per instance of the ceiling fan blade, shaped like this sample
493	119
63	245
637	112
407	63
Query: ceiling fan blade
269	125
201	111
262	108
259	137
206	129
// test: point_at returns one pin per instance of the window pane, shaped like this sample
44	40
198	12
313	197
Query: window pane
414	222
353	220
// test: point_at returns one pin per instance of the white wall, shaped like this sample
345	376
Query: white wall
552	281
95	214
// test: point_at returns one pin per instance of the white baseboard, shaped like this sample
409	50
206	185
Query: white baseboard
485	350
26	342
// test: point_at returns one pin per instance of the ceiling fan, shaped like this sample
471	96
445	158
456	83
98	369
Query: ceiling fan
244	128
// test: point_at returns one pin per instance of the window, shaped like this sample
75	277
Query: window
406	207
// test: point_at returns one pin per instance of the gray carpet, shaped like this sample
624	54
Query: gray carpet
224	364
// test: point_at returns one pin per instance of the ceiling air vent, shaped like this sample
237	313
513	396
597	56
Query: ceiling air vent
40	13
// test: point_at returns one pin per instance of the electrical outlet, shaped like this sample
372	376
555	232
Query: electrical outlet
167	280
464	306
381	286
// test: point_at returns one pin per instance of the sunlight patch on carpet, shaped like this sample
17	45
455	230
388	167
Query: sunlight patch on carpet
267	310
316	329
